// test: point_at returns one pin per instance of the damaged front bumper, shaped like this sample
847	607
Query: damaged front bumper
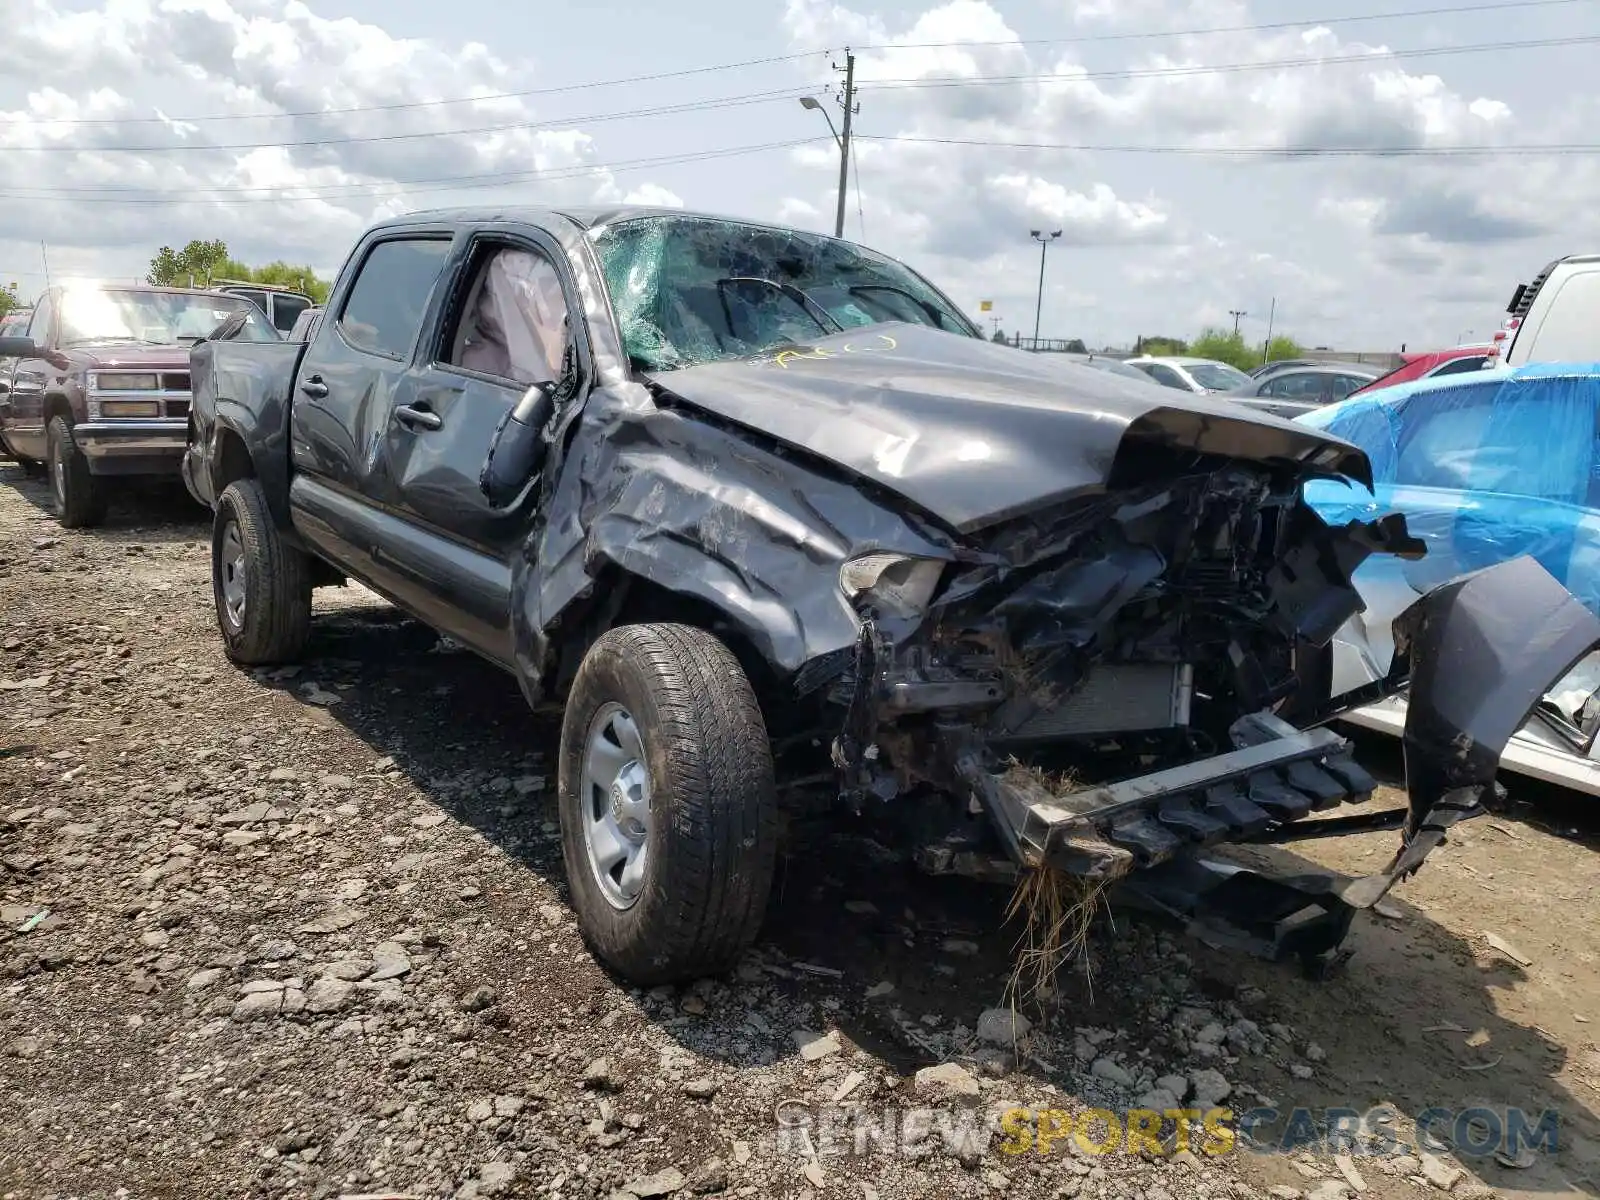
1477	653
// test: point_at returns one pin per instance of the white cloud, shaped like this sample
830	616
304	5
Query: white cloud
1410	245
1354	246
310	184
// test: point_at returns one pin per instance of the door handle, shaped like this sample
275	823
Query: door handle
418	418
314	387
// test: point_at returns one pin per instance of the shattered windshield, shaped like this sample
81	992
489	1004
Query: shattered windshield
94	314
689	290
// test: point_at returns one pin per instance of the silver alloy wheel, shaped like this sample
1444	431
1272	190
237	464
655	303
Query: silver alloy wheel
58	473
231	562
614	792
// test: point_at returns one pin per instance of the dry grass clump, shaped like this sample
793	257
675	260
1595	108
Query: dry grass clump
1057	909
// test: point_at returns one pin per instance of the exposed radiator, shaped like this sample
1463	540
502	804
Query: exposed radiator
1118	698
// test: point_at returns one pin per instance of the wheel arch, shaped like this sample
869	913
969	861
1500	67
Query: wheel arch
56	404
624	597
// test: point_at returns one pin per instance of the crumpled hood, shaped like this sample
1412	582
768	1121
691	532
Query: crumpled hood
974	432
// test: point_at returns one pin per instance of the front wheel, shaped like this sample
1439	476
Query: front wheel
667	800
79	497
261	585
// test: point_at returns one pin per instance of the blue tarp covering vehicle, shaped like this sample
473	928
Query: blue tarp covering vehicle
1486	468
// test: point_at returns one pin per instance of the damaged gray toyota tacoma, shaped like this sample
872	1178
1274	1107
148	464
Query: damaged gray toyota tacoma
770	520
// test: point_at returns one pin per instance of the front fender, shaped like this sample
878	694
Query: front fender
1481	650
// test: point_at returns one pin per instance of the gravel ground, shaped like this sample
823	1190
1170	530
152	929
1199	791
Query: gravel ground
305	933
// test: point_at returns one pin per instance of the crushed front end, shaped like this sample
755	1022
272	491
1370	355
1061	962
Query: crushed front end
1111	688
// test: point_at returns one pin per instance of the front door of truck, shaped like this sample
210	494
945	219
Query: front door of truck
353	375
504	328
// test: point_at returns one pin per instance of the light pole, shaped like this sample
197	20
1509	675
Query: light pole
843	140
1038	309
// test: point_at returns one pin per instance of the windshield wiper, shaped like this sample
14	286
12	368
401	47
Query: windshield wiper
810	307
930	310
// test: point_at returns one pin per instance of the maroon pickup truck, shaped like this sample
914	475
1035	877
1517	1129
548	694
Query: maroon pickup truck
98	387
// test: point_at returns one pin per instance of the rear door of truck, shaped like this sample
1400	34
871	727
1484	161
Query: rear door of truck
353	378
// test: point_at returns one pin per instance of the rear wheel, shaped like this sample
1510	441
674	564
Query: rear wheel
79	497
667	803
260	584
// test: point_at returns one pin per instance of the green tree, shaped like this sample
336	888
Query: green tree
201	262
1281	347
8	299
278	274
1162	346
1223	345
196	263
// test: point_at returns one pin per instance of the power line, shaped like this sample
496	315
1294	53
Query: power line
1452	10
279	194
796	92
227	195
489	97
514	126
486	97
1464	151
1368	59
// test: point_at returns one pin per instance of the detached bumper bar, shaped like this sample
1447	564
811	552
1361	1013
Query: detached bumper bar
1477	654
1277	775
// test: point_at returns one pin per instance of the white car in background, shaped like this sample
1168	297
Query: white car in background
1556	318
1202	375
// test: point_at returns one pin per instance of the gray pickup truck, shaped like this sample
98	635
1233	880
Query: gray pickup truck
773	524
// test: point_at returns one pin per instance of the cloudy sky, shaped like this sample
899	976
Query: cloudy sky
1153	133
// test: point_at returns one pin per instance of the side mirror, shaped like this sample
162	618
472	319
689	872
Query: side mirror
518	449
18	347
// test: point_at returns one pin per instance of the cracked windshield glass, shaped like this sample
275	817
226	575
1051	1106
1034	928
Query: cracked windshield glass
151	317
689	290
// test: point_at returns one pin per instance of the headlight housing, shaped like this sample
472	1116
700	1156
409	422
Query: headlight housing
129	408
123	381
899	585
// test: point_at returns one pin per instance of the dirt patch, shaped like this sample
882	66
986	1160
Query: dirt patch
304	933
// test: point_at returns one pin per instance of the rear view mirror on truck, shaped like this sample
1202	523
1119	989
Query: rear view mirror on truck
18	347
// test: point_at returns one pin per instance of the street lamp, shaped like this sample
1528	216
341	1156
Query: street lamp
843	142
1044	244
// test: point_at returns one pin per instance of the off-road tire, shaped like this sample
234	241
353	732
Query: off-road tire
712	840
276	620
79	498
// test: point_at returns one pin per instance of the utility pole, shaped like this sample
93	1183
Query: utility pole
841	140
1044	245
44	253
844	139
1236	313
1266	346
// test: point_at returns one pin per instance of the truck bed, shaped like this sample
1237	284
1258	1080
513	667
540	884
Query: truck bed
242	393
